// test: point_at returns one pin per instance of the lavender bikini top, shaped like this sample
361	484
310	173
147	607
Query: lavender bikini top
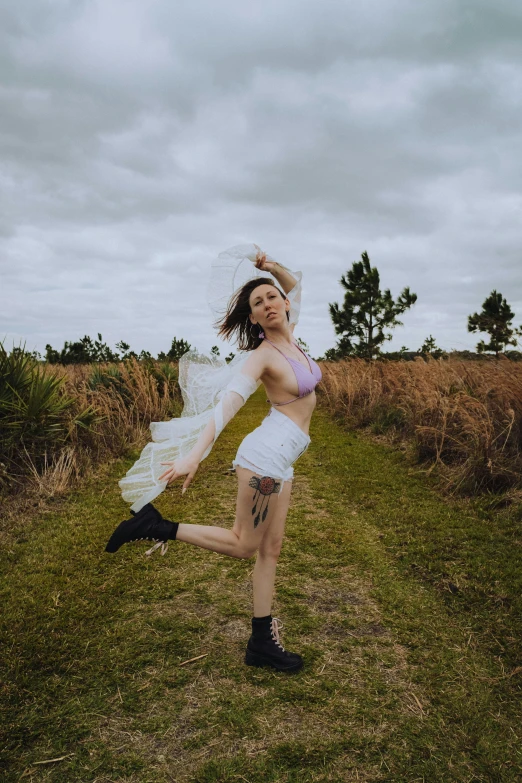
307	380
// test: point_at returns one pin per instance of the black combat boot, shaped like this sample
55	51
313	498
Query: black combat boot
146	524
265	649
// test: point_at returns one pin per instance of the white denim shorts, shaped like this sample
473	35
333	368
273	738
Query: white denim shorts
273	447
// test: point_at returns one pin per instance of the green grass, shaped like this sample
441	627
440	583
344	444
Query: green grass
405	606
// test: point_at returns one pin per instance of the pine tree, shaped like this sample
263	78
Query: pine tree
366	312
52	355
495	319
303	345
126	351
177	349
430	348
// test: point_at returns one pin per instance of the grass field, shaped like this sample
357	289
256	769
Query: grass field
405	606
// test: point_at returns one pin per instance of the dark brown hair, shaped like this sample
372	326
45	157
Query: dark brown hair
236	318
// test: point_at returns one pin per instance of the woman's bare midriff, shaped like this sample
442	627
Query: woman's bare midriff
302	410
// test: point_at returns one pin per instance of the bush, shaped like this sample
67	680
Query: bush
109	378
37	416
57	422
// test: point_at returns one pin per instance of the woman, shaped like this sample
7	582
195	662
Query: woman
259	315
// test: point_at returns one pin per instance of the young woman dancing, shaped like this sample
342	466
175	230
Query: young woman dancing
258	314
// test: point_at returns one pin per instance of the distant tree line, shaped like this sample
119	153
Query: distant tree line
363	322
87	351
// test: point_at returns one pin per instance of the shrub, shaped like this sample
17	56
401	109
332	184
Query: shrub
37	416
57	422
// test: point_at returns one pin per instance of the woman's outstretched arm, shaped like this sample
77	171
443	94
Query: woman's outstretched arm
240	388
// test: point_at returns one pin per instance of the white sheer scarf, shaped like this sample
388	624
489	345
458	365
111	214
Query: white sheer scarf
210	387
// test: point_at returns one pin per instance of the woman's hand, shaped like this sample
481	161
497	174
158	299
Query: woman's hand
180	467
262	263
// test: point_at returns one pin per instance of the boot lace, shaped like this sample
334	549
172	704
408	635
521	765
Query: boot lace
277	626
163	544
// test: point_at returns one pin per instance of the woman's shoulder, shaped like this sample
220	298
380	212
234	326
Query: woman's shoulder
264	349
257	361
269	359
263	352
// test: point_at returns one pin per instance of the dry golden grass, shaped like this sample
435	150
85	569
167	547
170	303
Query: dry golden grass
123	398
143	394
462	417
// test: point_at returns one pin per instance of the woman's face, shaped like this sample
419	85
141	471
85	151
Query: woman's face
267	306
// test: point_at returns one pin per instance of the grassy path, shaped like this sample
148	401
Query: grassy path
406	609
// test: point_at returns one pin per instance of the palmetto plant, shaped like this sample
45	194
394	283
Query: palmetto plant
166	374
110	378
36	415
58	422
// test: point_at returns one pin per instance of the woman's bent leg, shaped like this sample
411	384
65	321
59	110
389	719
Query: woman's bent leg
263	577
217	539
249	527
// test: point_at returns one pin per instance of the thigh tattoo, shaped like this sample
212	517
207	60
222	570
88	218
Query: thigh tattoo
264	486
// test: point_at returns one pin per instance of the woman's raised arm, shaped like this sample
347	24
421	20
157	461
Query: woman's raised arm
284	276
289	281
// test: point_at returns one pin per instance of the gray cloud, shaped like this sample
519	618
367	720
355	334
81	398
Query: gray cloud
139	140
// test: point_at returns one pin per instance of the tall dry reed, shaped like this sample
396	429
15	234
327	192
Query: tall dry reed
462	417
121	399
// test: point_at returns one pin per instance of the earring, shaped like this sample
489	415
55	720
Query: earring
258	335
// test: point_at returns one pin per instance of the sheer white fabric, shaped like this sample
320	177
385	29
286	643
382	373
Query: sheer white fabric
235	267
211	389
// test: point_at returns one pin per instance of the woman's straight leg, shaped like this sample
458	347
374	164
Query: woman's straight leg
263	576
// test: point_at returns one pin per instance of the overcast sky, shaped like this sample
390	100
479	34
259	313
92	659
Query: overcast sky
140	139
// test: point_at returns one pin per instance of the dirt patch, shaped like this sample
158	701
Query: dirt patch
372	629
335	601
